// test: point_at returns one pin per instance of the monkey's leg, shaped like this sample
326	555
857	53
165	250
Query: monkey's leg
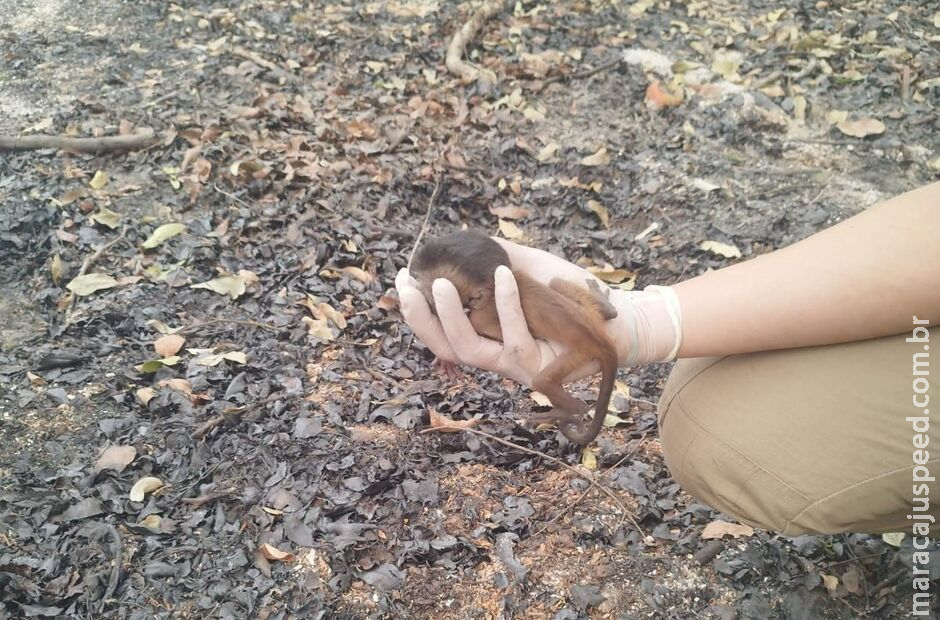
485	322
601	301
549	382
593	297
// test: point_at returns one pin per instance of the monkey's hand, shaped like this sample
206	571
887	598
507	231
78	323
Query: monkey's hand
451	337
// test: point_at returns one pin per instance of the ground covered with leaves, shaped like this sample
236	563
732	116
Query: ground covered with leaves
209	405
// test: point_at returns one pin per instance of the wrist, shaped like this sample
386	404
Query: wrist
648	326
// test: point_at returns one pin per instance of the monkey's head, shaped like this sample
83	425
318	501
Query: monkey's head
466	258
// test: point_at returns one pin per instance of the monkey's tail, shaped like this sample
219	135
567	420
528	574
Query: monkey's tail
608	376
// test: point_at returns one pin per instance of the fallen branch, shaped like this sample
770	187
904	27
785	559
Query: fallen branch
581	74
458	45
591	480
106	144
263	62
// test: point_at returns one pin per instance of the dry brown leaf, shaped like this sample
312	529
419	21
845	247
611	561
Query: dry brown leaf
387	302
319	328
446	425
89	283
510	230
510	212
144	486
540	399
589	459
72	195
168	345
721	249
719	529
861	127
601	211
609	274
190	156
99	180
600	158
270	552
57	268
205	357
145	394
234	285
362	129
359	274
151	521
178	384
658	97
831	582
548	152
332	314
594	186
116	458
852	581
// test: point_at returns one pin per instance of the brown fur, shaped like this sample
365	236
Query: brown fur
562	312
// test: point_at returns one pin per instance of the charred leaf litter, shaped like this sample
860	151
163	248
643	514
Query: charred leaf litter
277	462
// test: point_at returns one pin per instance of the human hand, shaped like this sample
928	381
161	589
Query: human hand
647	327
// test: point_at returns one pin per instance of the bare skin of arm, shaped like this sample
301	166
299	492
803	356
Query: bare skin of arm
863	278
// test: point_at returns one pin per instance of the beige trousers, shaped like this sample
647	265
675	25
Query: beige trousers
810	440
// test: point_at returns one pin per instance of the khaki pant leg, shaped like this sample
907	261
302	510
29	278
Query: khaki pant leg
809	440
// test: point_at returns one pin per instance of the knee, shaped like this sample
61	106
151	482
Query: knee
710	459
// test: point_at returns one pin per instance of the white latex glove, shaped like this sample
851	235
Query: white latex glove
647	327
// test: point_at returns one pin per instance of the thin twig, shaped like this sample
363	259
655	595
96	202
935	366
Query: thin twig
197	502
106	144
264	63
824	141
427	218
548	457
86	265
90	260
203	429
161	99
232	196
580	74
235	321
766	80
889	580
603	475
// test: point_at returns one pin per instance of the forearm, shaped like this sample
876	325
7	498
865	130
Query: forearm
863	278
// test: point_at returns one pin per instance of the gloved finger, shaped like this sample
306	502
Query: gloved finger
467	344
544	266
426	327
404	279
519	343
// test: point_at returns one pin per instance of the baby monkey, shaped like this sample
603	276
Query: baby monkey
561	312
